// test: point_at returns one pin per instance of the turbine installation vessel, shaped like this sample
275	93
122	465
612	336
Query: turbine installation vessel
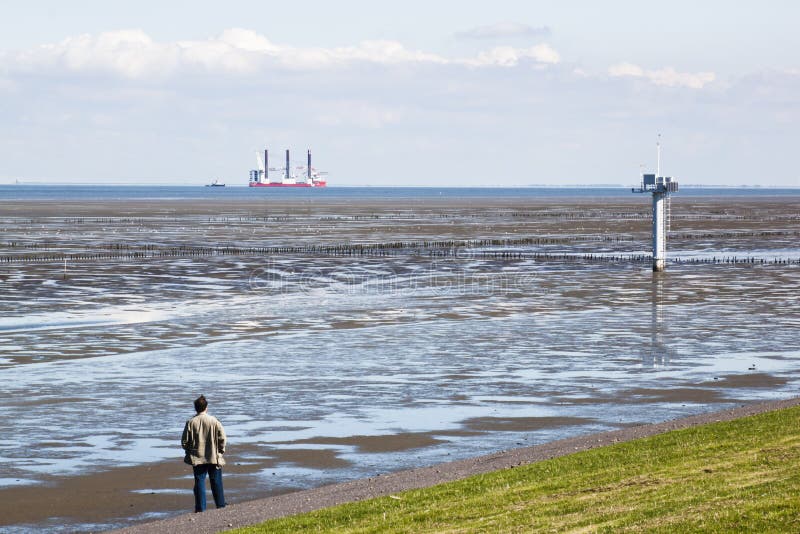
307	176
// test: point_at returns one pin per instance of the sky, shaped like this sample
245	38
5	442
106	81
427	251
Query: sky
501	93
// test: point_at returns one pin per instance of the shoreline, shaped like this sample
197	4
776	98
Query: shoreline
256	511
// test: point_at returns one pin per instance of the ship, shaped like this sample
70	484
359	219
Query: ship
215	183
306	175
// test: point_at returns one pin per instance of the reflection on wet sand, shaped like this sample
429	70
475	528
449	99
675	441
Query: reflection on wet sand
659	354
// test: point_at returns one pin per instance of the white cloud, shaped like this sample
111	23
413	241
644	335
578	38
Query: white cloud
626	69
503	29
385	52
133	54
507	56
248	40
667	77
378	52
128	53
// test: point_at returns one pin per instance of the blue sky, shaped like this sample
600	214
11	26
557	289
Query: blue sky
419	93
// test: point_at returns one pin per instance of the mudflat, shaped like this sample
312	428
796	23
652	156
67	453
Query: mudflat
340	340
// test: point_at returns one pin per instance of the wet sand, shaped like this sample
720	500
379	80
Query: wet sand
253	512
339	365
165	488
144	493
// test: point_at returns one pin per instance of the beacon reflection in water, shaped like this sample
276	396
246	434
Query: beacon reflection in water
658	354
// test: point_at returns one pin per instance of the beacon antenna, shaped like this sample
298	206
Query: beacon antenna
658	156
660	187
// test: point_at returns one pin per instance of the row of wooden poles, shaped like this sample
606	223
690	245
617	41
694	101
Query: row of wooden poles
544	214
373	251
337	248
469	243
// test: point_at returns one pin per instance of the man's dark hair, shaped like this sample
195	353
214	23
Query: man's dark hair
200	404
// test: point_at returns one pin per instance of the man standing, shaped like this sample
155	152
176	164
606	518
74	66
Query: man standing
204	443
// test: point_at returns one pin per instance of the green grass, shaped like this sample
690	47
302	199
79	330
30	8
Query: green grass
739	476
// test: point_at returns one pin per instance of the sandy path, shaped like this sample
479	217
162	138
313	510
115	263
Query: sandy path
252	512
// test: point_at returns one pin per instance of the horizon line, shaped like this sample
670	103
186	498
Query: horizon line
443	186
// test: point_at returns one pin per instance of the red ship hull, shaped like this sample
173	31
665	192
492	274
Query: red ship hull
259	184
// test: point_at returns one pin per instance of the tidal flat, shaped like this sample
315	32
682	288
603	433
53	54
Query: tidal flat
338	340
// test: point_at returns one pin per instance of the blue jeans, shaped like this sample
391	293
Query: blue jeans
215	478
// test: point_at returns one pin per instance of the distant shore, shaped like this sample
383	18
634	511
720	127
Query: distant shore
159	193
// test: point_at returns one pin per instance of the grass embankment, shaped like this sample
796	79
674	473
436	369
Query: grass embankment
736	476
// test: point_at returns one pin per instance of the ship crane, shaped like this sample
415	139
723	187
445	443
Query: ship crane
660	187
307	176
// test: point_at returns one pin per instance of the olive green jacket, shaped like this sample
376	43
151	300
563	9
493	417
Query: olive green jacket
203	440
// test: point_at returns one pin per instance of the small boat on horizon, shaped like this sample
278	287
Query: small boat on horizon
215	183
